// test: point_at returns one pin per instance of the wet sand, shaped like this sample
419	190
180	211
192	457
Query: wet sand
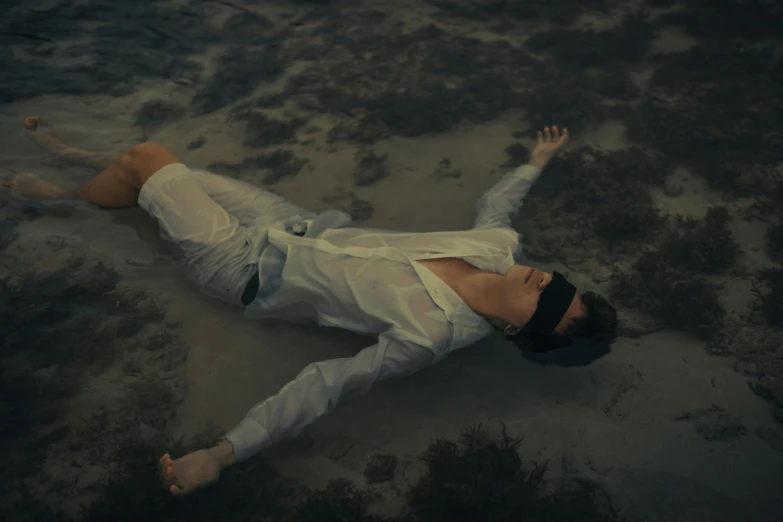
676	423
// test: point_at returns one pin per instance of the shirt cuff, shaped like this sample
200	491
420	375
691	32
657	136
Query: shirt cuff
528	170
248	438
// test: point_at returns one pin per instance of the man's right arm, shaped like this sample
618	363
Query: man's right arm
318	389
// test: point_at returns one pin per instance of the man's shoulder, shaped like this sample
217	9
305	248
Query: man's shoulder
500	234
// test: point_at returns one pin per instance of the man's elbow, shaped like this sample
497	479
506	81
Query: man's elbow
410	362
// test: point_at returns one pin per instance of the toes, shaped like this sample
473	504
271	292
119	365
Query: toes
169	476
166	470
25	183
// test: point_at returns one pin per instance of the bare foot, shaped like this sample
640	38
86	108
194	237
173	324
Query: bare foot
189	473
29	185
43	134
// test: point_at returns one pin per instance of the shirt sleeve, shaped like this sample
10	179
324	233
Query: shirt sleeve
502	202
320	386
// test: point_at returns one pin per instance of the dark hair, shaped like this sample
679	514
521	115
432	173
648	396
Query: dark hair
598	324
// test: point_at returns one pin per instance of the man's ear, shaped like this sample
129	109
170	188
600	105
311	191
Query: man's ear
510	330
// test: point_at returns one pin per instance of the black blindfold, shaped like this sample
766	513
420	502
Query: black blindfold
552	306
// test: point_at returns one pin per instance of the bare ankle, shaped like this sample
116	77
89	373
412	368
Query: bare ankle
224	453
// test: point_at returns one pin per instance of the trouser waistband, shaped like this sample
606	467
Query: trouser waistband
252	287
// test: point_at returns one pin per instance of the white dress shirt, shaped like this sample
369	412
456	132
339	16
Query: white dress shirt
369	281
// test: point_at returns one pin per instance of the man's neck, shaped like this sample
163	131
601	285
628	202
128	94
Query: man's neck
481	290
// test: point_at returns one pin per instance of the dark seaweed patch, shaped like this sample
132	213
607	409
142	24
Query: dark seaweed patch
247	28
775	242
625	43
8	233
348	201
600	193
263	131
155	113
270	101
518	155
278	164
769	206
445	170
668	282
126	43
427	80
706	247
239	72
771	304
714	423
729	19
370	167
675	297
497	11
60	332
727	131
563	101
408	83
361	210
197	143
481	477
381	468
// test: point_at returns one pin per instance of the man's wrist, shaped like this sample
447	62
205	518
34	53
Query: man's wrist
538	163
224	453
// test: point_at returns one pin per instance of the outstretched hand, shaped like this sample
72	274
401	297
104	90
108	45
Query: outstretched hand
549	142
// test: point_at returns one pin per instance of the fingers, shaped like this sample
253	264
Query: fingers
564	137
553	135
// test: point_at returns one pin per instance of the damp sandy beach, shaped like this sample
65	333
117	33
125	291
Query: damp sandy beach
668	199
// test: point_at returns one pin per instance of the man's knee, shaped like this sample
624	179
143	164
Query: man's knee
145	159
147	153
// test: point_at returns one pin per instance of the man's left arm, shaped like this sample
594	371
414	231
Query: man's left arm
501	203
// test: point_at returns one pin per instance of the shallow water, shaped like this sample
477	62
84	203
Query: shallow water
104	365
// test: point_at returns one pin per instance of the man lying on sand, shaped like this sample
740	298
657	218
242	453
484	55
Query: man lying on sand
424	295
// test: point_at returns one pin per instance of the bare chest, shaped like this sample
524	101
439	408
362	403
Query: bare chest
449	269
